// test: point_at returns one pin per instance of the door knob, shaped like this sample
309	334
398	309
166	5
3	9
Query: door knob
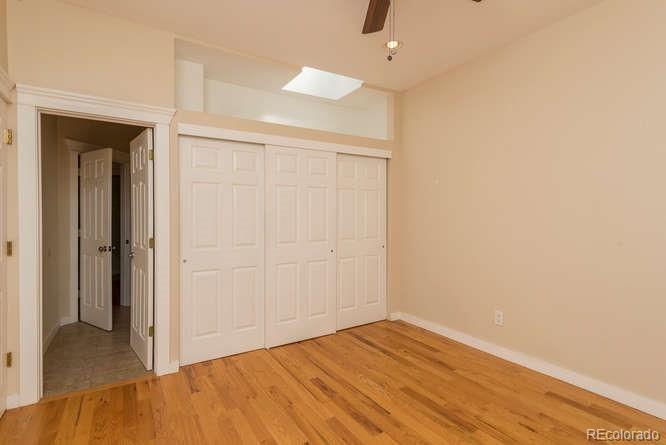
131	254
102	248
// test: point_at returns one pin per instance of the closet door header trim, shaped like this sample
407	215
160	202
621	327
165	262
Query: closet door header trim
284	141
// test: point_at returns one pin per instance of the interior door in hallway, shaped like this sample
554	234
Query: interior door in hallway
95	256
361	187
141	253
300	244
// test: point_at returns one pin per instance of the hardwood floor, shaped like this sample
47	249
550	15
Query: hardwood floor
383	383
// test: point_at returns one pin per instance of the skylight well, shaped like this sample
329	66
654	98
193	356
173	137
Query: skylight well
314	82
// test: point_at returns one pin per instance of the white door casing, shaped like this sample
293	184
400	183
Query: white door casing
361	183
3	295
222	248
141	215
300	244
95	257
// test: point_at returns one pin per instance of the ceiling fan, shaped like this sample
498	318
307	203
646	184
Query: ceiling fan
376	15
375	18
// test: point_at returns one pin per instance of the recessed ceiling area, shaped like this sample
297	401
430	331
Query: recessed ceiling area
225	83
326	34
263	74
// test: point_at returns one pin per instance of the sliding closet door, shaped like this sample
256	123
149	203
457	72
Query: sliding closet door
222	257
300	244
361	188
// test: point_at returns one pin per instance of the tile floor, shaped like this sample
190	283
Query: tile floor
82	356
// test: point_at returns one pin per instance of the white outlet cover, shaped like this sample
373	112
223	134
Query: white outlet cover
499	318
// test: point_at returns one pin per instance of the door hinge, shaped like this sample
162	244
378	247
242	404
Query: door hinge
151	155
151	331
8	136
8	360
151	243
9	251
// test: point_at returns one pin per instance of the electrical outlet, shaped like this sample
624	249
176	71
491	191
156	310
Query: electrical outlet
499	318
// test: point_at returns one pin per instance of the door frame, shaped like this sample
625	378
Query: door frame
31	103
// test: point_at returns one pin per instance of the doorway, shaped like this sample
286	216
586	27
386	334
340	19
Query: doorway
96	194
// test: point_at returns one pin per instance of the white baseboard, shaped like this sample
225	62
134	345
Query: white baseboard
68	320
13	401
393	316
642	403
171	368
48	338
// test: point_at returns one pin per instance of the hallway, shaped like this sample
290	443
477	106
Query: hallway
82	356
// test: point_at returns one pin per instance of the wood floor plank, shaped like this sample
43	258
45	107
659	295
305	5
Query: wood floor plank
383	383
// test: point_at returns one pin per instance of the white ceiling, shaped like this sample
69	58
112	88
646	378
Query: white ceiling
326	34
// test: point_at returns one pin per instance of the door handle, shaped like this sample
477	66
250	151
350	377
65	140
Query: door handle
131	254
101	248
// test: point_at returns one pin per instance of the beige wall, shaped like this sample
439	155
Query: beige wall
57	45
3	35
533	182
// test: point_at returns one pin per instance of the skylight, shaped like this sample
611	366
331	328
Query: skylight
314	82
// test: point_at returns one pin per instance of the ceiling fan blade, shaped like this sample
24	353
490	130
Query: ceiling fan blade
376	16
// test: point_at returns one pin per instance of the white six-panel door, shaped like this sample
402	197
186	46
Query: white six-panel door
361	184
222	248
95	258
300	244
141	254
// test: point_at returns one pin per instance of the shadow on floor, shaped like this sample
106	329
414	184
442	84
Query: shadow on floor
82	356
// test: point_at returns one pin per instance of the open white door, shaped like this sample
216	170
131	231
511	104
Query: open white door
95	258
3	253
141	254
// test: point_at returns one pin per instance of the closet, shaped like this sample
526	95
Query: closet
300	244
222	248
278	244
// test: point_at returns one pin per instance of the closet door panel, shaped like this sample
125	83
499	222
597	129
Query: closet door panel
222	248
300	244
361	191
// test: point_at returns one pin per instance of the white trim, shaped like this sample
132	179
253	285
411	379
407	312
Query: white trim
13	401
29	254
46	341
6	86
283	141
68	320
624	396
31	101
394	316
171	368
92	106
